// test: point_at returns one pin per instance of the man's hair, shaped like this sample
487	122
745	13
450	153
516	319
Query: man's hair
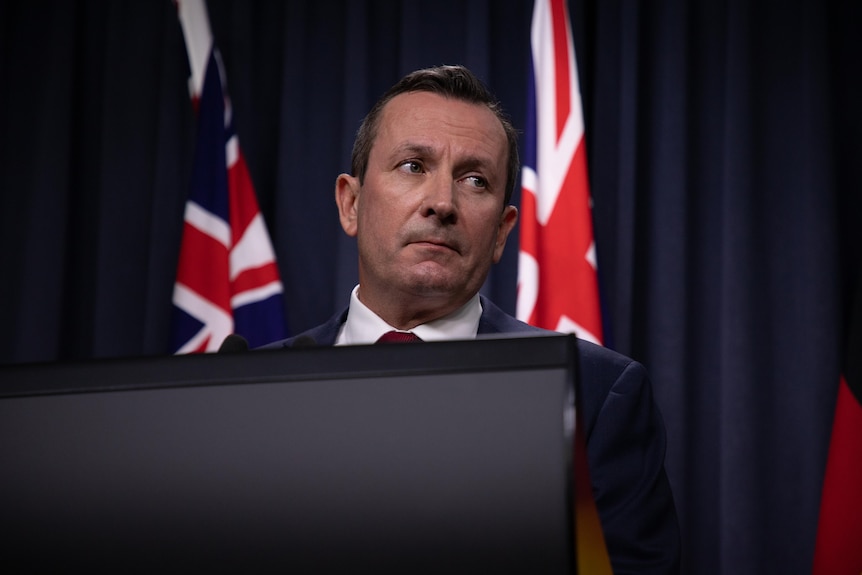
452	82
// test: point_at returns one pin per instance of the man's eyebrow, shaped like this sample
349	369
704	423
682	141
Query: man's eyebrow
413	149
472	162
475	163
425	150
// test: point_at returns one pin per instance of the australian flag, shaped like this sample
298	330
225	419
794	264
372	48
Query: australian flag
227	278
557	272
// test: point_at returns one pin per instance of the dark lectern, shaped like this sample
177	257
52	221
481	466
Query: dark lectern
434	457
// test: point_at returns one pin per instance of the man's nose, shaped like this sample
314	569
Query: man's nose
440	201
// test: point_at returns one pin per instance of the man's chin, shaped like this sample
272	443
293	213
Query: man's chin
429	282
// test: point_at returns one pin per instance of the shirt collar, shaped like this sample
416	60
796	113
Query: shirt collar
363	326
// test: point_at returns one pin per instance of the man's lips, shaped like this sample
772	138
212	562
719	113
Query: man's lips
435	243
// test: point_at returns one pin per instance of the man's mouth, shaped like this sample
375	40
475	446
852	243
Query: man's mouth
433	243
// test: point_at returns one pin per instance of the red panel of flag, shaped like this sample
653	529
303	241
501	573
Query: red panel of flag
839	531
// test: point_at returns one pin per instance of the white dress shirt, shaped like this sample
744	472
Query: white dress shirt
363	326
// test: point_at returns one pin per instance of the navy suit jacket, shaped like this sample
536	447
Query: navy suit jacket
625	439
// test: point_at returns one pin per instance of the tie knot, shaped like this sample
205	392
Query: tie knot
399	337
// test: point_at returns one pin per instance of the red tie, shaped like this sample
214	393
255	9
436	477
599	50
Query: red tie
398	337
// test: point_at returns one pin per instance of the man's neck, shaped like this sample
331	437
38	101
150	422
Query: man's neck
406	313
364	326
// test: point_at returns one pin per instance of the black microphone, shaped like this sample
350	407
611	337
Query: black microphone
233	343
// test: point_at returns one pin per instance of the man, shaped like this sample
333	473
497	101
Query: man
433	168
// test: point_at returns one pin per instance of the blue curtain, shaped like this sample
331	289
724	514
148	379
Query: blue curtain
723	142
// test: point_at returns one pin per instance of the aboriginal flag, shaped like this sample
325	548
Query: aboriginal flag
839	532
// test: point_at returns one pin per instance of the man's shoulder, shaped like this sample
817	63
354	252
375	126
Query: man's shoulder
597	363
495	320
594	356
323	334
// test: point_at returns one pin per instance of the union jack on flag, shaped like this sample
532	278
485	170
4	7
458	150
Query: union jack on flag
227	279
557	277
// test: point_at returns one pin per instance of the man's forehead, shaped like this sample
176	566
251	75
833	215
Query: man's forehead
415	119
419	102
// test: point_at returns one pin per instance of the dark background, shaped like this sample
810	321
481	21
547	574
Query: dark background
724	141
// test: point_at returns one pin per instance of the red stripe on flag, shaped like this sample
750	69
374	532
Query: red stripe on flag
530	237
203	346
203	267
243	204
559	19
255	278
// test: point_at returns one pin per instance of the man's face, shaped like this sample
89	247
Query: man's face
429	217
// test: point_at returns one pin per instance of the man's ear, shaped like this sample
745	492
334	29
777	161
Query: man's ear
347	199
508	219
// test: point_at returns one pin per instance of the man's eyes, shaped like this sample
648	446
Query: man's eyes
412	167
417	167
477	181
